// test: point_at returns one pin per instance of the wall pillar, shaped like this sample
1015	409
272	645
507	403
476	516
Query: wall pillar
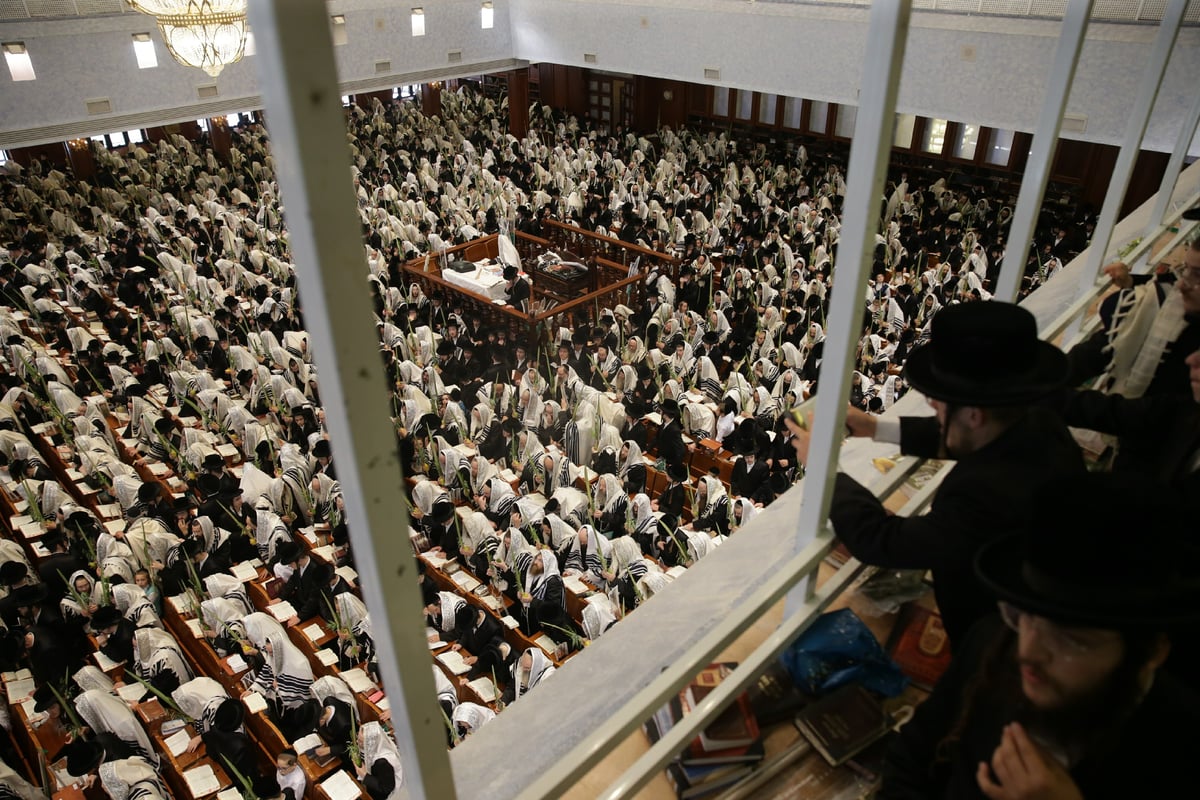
221	137
431	99
518	103
81	159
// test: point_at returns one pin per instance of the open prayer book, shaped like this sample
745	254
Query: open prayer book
132	692
282	611
105	663
201	781
327	657
484	687
575	585
177	742
255	702
547	644
357	680
453	661
314	632
341	786
19	689
466	581
243	571
307	744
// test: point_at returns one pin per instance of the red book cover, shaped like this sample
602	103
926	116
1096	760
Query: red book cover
919	645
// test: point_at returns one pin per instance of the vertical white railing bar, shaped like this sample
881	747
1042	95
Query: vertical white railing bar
308	140
887	36
1167	188
1045	139
1139	117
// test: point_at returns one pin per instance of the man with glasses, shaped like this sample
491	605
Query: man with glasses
1153	328
1061	697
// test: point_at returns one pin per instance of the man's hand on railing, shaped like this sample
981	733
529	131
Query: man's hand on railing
1119	272
860	423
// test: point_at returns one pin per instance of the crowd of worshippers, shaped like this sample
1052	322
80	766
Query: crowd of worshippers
183	261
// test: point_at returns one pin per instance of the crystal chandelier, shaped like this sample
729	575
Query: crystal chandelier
207	34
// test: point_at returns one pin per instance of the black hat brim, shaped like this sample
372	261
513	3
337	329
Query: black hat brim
1001	567
1047	373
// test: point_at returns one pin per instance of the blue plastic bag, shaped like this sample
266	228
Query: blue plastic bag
838	649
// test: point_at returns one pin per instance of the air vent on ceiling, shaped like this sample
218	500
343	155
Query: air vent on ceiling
454	56
207	91
712	74
383	67
1074	123
101	105
589	58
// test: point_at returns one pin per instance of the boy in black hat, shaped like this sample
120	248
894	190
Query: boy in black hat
982	371
669	443
516	288
671	500
1063	695
323	453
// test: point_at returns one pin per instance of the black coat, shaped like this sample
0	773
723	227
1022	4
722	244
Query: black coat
669	443
753	482
1149	758
1159	435
56	570
987	494
307	591
672	500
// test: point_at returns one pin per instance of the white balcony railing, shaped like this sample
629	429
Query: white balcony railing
540	747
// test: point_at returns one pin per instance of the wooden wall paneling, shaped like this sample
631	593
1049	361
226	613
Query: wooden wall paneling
518	102
54	154
431	99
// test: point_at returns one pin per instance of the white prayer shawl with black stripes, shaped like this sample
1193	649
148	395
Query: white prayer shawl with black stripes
200	698
525	680
133	779
106	713
286	674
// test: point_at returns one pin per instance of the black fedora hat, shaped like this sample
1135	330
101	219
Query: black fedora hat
670	408
83	757
229	715
985	354
105	617
13	572
44	698
1073	563
287	552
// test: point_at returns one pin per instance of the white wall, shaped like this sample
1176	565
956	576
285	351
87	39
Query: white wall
798	50
817	52
85	58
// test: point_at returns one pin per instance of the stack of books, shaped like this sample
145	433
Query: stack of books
724	752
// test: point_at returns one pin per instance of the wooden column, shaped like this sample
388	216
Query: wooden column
81	158
431	99
518	103
220	136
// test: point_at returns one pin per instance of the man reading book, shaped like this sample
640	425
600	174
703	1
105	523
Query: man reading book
1061	697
